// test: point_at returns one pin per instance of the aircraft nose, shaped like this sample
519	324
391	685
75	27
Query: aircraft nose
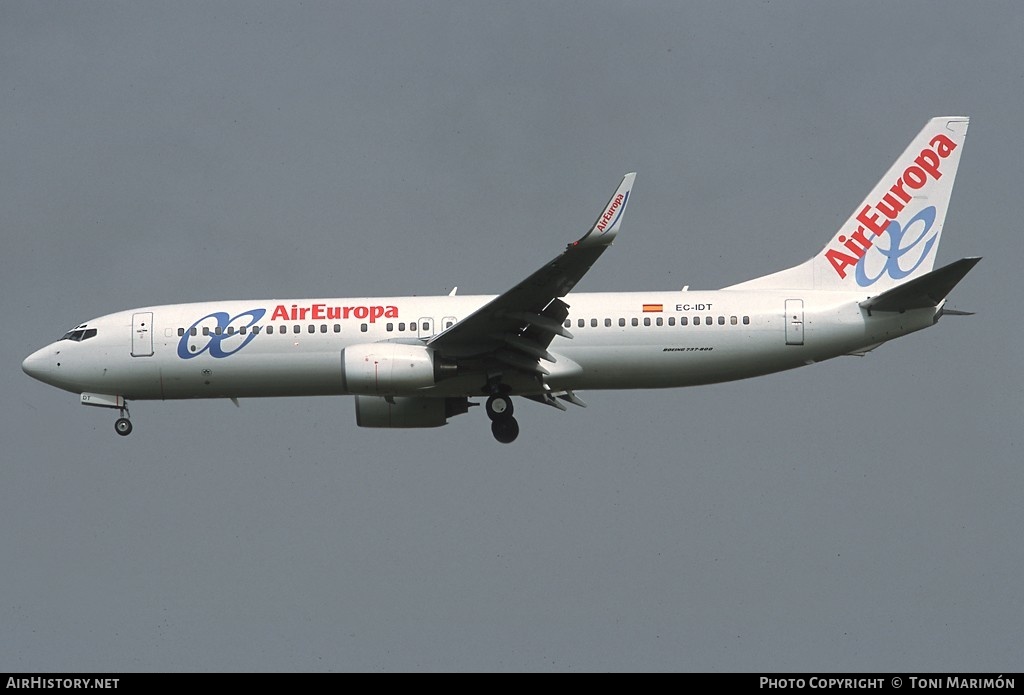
39	364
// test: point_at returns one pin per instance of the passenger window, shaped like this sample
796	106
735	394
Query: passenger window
721	320
746	320
660	321
337	328
607	323
683	320
635	322
708	321
401	326
181	332
231	330
312	328
218	331
567	323
671	320
696	320
389	327
296	328
732	321
593	323
363	327
647	320
622	323
581	323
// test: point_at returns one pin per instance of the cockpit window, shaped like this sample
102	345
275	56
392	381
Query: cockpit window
79	334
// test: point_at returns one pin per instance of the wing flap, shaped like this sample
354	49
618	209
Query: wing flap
524	363
543	323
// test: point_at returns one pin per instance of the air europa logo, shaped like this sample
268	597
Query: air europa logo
882	217
609	214
221	334
320	312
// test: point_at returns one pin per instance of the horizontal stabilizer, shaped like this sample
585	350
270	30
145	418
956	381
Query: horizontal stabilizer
922	292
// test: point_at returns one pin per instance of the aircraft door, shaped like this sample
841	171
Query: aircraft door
425	326
142	334
794	322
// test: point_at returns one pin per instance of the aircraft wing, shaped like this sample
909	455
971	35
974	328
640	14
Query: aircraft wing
516	327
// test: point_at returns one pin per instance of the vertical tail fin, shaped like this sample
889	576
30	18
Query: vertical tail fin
893	235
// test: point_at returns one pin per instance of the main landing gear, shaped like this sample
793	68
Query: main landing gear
503	426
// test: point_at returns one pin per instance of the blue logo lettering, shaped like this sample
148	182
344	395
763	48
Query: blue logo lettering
896	250
215	335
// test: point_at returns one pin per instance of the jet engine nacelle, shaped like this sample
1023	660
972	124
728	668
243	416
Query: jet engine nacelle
407	411
387	369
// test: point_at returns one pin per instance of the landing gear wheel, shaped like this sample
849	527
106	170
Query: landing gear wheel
123	426
505	430
499	407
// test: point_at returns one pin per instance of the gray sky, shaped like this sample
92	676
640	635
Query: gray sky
861	514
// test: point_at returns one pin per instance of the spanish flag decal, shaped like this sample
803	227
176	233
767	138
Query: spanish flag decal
653	308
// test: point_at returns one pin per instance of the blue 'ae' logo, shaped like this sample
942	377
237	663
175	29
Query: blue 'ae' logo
895	233
224	335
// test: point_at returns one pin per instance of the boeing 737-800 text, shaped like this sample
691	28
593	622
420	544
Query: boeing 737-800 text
418	361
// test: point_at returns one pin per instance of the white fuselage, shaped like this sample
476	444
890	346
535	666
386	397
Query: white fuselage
234	349
416	361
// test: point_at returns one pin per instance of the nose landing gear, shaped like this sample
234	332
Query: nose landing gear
504	427
123	426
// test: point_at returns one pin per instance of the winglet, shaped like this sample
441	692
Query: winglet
607	224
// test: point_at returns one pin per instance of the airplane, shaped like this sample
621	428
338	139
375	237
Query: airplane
413	362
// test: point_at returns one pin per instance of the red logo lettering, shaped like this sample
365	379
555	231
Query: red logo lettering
875	219
320	312
610	212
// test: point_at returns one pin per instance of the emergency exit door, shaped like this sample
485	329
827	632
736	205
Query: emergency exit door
794	322
425	328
